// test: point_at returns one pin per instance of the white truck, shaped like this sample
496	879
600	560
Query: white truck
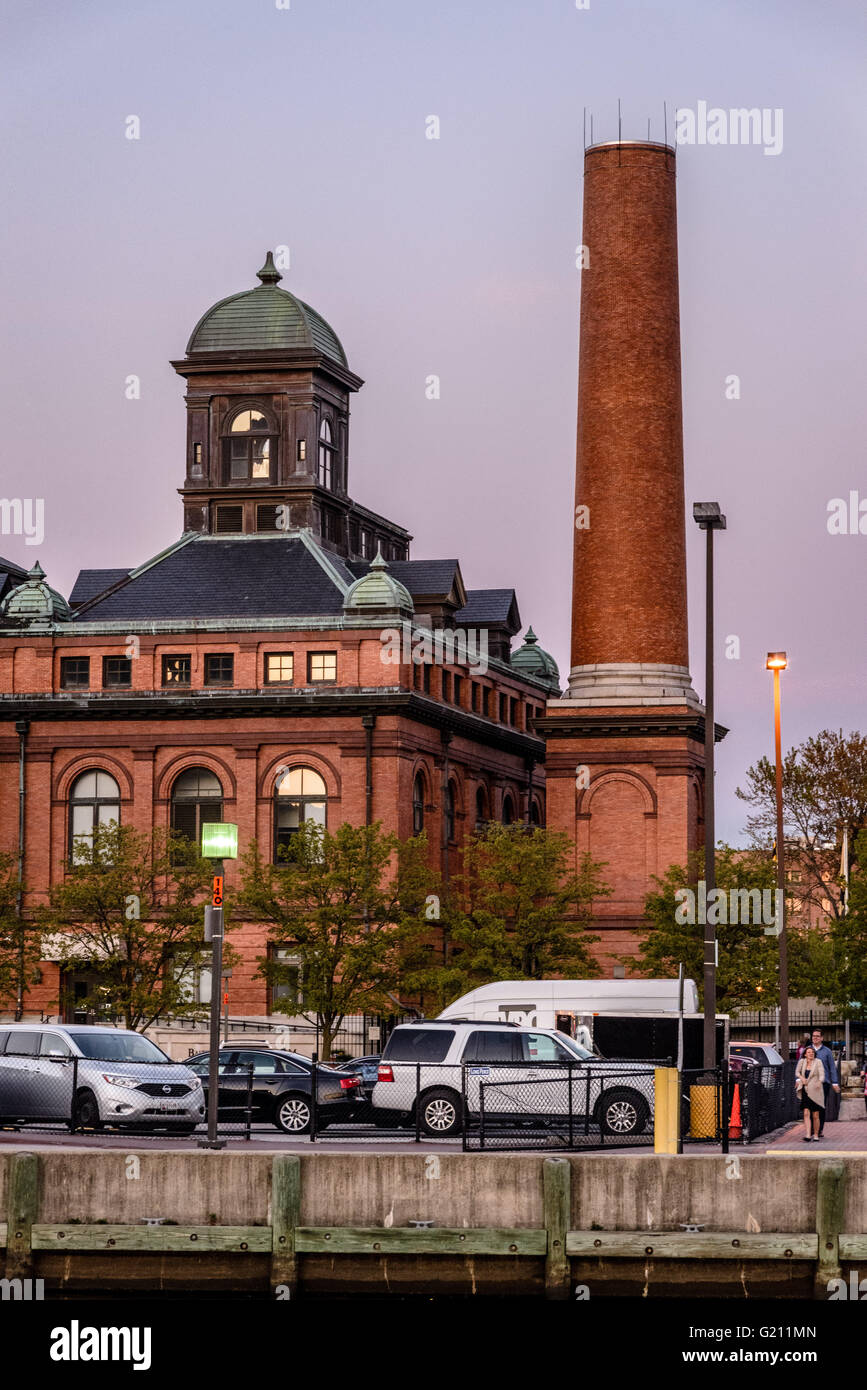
570	1005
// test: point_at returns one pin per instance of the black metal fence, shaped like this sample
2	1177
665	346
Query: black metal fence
763	1099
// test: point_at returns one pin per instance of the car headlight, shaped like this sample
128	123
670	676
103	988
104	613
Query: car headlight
195	1084
130	1082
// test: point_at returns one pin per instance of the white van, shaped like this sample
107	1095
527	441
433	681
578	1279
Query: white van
569	1005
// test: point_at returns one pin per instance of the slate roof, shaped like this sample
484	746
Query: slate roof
11	575
423	578
222	577
92	582
488	607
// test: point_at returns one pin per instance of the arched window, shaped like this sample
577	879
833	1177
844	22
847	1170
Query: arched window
94	799
450	811
326	455
481	808
299	795
508	809
250	448
418	804
197	800
535	813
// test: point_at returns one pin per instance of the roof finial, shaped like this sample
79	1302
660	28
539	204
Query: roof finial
269	274
530	637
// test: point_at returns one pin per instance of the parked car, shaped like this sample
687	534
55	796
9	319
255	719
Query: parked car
366	1069
763	1053
282	1088
92	1076
433	1063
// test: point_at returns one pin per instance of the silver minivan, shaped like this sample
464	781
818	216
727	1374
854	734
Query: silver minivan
90	1076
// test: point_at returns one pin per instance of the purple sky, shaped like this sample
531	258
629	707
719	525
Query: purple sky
306	127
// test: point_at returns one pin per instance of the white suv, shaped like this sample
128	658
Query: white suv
521	1075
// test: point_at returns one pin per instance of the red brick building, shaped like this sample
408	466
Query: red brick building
265	667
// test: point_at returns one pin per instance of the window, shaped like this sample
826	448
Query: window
250	449
302	450
197	458
535	813
116	672
287	985
458	685
230	520
486	701
504	708
279	668
197	800
418	1045
74	672
450	811
326	470
475	697
220	669
447	685
54	1045
365	545
321	666
542	1048
490	1045
481	808
300	795
176	670
94	800
513	713
418	804
508	809
425	678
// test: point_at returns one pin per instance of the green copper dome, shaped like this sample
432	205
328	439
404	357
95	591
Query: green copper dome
533	660
262	319
378	590
33	603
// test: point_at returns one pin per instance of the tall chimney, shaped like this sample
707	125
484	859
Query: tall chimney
629	620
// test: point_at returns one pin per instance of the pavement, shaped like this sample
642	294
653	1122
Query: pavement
841	1137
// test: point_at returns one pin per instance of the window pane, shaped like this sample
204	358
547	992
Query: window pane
107	811
195	784
261	453
241	423
315	811
84	786
82	821
279	666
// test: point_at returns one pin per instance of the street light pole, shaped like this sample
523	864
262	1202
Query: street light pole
710	519
219	842
778	662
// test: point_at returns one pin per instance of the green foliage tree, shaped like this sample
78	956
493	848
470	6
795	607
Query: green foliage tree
748	959
844	982
349	906
517	911
129	910
19	944
824	794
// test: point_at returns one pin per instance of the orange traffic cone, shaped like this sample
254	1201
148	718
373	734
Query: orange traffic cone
735	1127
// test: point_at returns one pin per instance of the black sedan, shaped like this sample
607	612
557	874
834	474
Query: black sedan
280	1088
366	1070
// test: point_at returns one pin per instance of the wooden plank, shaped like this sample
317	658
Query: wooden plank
853	1247
199	1239
830	1200
21	1209
285	1215
405	1240
681	1245
556	1205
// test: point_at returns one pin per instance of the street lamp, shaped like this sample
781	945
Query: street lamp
219	842
710	519
777	662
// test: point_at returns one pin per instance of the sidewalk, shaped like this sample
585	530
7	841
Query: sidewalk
841	1136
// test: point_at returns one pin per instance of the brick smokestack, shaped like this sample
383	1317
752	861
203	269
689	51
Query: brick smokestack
629	618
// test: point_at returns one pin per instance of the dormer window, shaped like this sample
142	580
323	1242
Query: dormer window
250	448
326	455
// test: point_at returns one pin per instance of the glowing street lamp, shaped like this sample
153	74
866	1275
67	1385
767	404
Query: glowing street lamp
219	842
778	662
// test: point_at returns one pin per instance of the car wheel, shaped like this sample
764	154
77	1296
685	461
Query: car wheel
86	1112
440	1113
292	1114
622	1113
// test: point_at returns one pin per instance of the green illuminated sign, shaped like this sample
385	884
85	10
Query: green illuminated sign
219	841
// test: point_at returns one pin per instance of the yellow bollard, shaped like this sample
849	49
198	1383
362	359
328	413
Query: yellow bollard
666	1110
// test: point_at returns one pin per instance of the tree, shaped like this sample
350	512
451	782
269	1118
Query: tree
746	976
130	910
19	945
348	906
824	794
517	912
845	977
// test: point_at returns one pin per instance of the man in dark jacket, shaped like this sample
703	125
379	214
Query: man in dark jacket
826	1057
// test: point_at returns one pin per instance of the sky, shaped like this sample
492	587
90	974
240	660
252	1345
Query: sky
304	124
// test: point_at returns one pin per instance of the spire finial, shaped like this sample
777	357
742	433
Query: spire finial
269	274
378	562
530	637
